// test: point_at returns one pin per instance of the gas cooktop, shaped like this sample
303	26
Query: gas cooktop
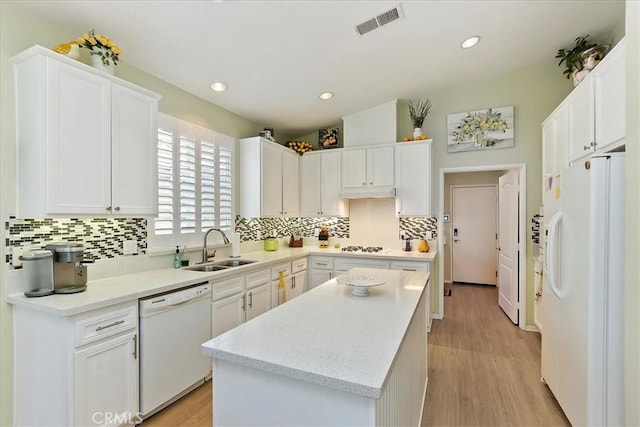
363	249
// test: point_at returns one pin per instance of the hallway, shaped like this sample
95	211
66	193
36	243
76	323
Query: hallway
483	369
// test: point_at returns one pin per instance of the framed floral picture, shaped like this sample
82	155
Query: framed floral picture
480	130
328	138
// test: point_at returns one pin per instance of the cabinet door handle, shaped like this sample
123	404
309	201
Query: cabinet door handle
250	299
135	346
371	183
117	208
364	183
111	325
244	301
330	275
108	208
594	144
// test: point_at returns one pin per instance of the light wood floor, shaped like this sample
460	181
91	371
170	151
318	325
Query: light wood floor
483	371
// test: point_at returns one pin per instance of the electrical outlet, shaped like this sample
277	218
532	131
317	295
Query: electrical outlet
130	247
15	256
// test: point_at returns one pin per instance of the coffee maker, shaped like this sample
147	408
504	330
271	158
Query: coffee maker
69	274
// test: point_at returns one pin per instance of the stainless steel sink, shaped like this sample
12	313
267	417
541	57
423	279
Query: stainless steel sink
206	267
234	262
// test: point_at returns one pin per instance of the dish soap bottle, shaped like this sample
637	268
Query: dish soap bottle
184	258
176	258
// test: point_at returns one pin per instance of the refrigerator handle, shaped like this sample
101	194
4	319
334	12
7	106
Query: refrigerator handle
552	254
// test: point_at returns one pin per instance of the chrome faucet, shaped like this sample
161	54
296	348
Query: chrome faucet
205	250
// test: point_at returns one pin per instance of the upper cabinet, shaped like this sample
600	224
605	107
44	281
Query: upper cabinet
320	184
86	140
413	178
269	174
367	167
596	108
554	142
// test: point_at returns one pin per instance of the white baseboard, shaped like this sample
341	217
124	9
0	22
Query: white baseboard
437	316
429	324
532	328
448	282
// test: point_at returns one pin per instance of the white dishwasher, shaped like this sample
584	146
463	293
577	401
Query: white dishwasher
173	326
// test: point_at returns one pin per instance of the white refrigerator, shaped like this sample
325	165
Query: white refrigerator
583	285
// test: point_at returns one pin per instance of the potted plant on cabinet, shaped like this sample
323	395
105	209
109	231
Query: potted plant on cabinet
580	60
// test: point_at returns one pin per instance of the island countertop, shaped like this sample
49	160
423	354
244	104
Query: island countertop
328	336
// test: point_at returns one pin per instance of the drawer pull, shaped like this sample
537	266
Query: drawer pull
321	263
111	325
250	299
408	269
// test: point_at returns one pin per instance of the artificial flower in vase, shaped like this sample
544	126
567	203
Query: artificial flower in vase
104	51
418	110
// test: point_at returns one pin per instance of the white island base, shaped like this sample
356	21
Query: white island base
328	358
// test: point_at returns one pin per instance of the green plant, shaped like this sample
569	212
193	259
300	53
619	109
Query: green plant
418	110
572	58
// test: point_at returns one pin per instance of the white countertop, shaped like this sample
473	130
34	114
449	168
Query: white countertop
129	287
328	336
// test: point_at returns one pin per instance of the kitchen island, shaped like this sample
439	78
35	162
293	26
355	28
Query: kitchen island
328	357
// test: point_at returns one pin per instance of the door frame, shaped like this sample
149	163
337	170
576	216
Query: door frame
452	215
521	168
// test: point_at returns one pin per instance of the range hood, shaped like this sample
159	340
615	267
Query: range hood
368	193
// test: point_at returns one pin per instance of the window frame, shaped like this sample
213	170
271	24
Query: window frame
180	130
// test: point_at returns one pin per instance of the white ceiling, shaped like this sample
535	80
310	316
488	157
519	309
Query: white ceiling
278	56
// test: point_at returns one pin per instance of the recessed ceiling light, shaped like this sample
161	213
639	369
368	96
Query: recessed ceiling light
218	86
326	95
470	42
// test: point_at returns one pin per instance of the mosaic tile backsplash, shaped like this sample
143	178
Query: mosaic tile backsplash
101	237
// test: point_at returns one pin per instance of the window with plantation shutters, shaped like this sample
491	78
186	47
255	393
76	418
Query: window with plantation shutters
195	183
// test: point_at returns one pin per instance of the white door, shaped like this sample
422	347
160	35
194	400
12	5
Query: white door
79	147
380	166
290	182
508	244
473	234
331	183
258	301
227	313
271	193
106	381
354	168
318	277
134	152
310	184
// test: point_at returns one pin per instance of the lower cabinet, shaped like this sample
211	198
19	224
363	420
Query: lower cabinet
79	370
239	299
320	270
104	373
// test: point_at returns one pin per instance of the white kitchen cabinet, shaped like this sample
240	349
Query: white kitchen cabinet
86	140
555	135
596	107
413	178
367	167
320	183
238	299
290	182
258	301
81	370
423	266
269	175
227	313
105	372
298	279
320	270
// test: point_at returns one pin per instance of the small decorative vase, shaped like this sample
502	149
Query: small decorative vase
479	140
417	132
579	76
96	62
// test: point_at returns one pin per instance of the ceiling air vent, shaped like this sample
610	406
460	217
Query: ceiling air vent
382	19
